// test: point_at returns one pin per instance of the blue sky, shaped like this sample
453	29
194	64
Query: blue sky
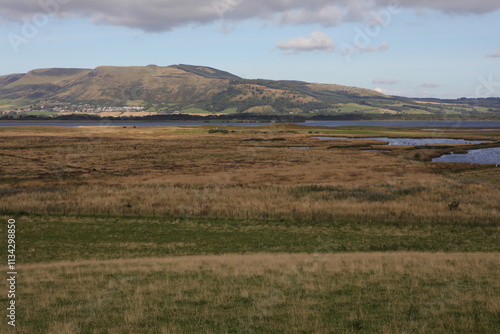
416	48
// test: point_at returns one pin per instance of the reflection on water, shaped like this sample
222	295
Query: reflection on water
459	125
127	123
482	156
412	141
420	124
425	141
467	130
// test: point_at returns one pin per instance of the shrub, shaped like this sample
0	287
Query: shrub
453	205
218	131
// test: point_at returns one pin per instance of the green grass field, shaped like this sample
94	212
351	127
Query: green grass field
61	238
90	274
8	105
261	293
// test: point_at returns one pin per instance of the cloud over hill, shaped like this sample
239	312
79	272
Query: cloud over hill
155	16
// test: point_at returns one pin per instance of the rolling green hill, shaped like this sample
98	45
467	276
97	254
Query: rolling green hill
178	88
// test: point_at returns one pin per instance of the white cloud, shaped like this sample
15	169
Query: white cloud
356	49
382	47
451	6
317	41
429	85
164	15
495	54
328	16
382	81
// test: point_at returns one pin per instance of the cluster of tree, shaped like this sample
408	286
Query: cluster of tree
283	105
159	117
283	118
222	101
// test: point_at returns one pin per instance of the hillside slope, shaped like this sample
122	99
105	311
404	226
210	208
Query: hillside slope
175	87
186	87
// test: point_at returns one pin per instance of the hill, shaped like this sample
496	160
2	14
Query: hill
200	89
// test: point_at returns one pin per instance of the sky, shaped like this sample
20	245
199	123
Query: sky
414	48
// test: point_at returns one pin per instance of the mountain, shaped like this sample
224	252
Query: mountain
178	88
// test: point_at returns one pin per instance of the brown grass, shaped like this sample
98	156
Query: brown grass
188	172
263	293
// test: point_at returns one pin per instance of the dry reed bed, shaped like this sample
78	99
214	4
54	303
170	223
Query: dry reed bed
420	201
263	293
188	172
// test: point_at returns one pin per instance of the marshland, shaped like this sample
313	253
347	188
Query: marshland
215	229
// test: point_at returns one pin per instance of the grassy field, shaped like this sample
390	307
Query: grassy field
8	105
262	293
58	238
178	230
